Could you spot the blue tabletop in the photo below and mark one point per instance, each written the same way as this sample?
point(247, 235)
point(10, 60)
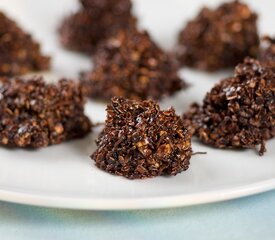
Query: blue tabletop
point(247, 218)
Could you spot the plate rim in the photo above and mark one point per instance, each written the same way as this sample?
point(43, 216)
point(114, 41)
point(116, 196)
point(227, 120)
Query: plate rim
point(121, 204)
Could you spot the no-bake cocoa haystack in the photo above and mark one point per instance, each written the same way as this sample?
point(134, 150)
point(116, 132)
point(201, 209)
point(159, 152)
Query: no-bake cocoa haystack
point(34, 114)
point(94, 22)
point(131, 65)
point(239, 112)
point(220, 38)
point(19, 53)
point(267, 52)
point(142, 141)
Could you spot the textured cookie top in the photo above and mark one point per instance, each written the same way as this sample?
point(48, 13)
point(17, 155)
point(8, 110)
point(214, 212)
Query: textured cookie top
point(131, 65)
point(219, 38)
point(239, 111)
point(20, 54)
point(95, 22)
point(141, 141)
point(36, 114)
point(267, 53)
point(118, 7)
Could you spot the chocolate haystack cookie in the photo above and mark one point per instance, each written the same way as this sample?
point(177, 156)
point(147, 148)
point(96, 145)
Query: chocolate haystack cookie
point(131, 65)
point(267, 53)
point(142, 141)
point(220, 38)
point(19, 53)
point(94, 22)
point(239, 112)
point(34, 114)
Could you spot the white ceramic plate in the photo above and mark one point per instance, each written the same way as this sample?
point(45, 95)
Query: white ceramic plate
point(64, 176)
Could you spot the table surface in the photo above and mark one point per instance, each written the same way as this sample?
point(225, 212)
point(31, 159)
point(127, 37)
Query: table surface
point(247, 218)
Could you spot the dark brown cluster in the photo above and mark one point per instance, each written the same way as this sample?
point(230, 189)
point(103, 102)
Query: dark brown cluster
point(141, 141)
point(20, 54)
point(267, 53)
point(34, 114)
point(94, 22)
point(239, 112)
point(219, 38)
point(131, 65)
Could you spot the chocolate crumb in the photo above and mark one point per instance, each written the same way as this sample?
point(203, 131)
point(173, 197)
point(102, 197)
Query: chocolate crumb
point(34, 114)
point(131, 65)
point(95, 22)
point(20, 54)
point(142, 141)
point(220, 38)
point(238, 112)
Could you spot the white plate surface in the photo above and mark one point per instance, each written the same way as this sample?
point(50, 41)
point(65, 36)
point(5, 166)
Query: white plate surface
point(64, 176)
